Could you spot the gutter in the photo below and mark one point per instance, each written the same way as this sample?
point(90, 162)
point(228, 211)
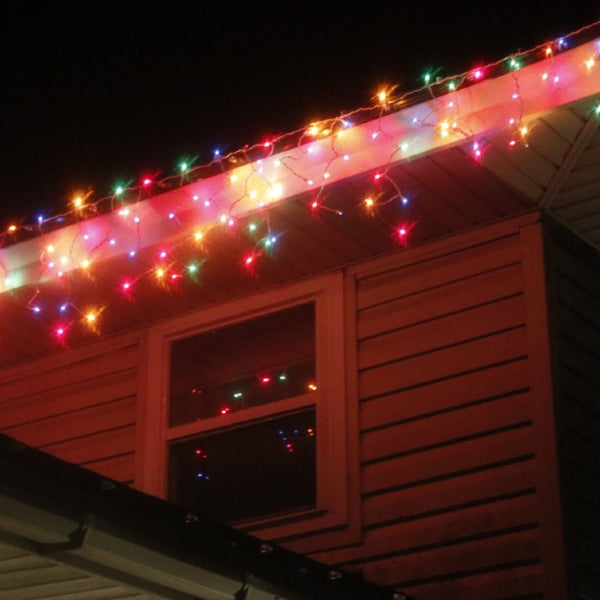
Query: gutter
point(78, 518)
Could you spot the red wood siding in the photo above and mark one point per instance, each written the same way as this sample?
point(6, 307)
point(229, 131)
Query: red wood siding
point(79, 406)
point(574, 270)
point(453, 481)
point(448, 443)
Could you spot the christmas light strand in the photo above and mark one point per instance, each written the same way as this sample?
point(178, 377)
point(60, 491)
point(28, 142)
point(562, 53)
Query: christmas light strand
point(219, 195)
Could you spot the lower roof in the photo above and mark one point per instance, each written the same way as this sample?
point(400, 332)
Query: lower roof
point(69, 533)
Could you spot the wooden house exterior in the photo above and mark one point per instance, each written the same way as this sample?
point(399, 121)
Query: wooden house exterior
point(456, 376)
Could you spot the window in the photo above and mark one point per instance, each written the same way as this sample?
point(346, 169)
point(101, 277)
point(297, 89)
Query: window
point(235, 367)
point(267, 468)
point(262, 468)
point(245, 414)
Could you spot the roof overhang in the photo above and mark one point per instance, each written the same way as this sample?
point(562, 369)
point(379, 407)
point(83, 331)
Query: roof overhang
point(507, 103)
point(472, 151)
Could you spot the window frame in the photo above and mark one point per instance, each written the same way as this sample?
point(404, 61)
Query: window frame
point(329, 399)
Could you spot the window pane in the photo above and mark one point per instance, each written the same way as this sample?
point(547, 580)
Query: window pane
point(245, 364)
point(258, 470)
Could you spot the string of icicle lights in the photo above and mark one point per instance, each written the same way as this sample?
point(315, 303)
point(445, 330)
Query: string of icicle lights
point(228, 185)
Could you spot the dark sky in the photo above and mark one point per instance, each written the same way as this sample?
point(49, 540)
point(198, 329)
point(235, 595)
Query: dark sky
point(95, 93)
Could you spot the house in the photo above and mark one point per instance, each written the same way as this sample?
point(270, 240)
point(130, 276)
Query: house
point(372, 342)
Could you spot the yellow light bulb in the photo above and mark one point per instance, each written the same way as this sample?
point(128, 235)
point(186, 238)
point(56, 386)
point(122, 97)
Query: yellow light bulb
point(276, 191)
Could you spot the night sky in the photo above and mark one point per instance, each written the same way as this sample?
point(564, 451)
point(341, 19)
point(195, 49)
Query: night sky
point(93, 95)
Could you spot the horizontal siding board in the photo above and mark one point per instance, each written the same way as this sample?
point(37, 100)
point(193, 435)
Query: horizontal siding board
point(583, 516)
point(576, 260)
point(71, 398)
point(447, 330)
point(587, 545)
point(503, 480)
point(585, 329)
point(579, 360)
point(581, 450)
point(96, 446)
point(455, 559)
point(575, 272)
point(582, 424)
point(443, 363)
point(583, 483)
point(577, 291)
point(57, 428)
point(439, 529)
point(433, 272)
point(445, 427)
point(493, 382)
point(70, 372)
point(571, 383)
point(441, 462)
point(573, 203)
point(446, 298)
point(118, 468)
point(588, 580)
